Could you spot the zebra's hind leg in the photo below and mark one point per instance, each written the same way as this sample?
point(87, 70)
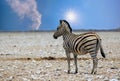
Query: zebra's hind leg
point(95, 63)
point(75, 61)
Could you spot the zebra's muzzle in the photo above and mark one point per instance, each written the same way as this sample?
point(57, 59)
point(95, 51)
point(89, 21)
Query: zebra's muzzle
point(54, 37)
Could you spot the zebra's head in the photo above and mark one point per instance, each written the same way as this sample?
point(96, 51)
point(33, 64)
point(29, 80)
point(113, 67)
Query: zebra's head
point(63, 28)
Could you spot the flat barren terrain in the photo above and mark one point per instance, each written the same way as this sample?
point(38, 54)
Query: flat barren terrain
point(36, 56)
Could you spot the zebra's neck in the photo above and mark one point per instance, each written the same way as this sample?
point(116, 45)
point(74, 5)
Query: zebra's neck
point(66, 35)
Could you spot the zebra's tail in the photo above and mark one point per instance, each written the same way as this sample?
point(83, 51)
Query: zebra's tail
point(101, 49)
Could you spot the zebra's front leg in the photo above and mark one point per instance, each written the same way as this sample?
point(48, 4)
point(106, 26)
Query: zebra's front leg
point(75, 61)
point(68, 60)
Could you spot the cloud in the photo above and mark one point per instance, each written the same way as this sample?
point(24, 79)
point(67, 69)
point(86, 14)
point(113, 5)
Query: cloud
point(27, 8)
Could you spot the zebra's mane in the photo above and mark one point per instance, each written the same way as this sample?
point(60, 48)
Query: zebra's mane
point(67, 24)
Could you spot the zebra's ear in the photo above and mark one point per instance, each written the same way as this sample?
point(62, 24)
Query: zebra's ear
point(60, 21)
point(64, 22)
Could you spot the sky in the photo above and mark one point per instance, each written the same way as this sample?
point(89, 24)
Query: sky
point(25, 15)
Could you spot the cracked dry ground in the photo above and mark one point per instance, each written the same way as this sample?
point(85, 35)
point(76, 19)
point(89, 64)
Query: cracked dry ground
point(55, 69)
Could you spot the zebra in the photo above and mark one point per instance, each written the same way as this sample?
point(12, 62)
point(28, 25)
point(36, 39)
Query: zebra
point(79, 44)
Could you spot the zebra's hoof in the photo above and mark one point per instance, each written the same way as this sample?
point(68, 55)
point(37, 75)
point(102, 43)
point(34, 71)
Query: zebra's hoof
point(68, 71)
point(94, 72)
point(75, 72)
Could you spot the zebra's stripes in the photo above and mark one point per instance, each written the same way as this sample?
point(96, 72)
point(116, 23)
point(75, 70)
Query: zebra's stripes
point(79, 44)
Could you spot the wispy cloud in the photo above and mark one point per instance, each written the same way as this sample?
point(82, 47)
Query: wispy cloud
point(27, 8)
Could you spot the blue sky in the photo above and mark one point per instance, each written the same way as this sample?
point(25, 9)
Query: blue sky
point(45, 14)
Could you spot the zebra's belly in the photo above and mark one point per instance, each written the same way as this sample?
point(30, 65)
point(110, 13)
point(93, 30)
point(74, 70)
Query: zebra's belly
point(79, 52)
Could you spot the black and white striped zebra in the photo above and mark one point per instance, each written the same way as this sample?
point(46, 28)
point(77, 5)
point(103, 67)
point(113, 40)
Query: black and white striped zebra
point(79, 44)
